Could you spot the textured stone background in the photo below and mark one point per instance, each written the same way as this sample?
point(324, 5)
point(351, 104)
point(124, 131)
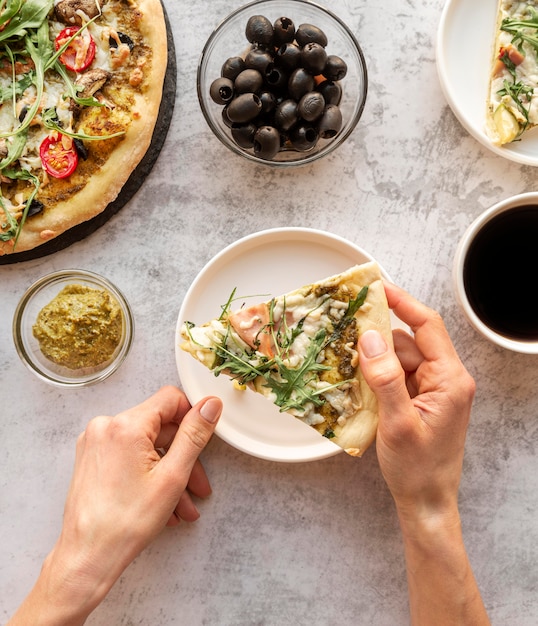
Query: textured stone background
point(288, 543)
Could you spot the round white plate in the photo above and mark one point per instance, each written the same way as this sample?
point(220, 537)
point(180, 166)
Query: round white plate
point(464, 54)
point(278, 261)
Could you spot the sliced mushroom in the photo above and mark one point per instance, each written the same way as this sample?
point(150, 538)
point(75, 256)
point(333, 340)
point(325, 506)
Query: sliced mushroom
point(91, 81)
point(68, 11)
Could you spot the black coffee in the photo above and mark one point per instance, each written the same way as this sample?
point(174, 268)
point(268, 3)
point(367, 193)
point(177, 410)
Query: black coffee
point(500, 273)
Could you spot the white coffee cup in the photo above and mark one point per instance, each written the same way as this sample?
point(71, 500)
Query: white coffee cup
point(486, 253)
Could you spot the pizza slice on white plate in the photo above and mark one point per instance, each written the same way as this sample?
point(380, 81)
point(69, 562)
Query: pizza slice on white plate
point(299, 351)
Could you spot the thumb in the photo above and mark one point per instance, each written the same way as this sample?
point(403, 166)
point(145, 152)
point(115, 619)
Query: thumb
point(383, 372)
point(194, 433)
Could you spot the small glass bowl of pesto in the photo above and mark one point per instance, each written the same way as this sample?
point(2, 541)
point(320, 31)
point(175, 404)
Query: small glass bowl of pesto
point(73, 328)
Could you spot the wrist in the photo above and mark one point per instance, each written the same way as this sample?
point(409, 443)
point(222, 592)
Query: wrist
point(429, 526)
point(67, 590)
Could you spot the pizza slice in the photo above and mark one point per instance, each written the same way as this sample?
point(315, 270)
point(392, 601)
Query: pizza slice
point(299, 351)
point(513, 90)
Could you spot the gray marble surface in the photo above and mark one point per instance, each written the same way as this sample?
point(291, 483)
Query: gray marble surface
point(277, 543)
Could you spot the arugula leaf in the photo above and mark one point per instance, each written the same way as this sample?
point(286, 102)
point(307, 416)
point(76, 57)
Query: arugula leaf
point(11, 225)
point(40, 50)
point(15, 149)
point(517, 27)
point(352, 307)
point(16, 229)
point(25, 15)
point(12, 8)
point(291, 387)
point(73, 90)
point(50, 120)
point(516, 91)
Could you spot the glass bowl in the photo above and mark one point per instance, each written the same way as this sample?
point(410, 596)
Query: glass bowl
point(40, 294)
point(229, 40)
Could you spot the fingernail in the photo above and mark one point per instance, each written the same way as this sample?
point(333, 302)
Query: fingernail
point(373, 344)
point(210, 410)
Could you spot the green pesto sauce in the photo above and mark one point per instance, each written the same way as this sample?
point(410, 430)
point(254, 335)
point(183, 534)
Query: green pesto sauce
point(81, 327)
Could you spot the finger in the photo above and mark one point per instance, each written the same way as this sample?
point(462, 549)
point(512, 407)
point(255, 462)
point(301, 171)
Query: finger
point(185, 509)
point(407, 351)
point(384, 374)
point(168, 405)
point(198, 483)
point(166, 436)
point(194, 432)
point(431, 336)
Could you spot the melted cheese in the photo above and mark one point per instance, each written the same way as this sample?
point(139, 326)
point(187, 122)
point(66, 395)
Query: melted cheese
point(314, 313)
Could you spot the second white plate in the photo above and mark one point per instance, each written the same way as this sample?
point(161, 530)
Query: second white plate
point(464, 53)
point(280, 260)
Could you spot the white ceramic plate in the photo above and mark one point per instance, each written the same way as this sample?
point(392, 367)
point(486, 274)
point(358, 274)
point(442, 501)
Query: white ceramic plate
point(281, 260)
point(464, 53)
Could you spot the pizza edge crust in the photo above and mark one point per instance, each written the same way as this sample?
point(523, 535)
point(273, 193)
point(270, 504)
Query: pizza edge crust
point(105, 185)
point(359, 430)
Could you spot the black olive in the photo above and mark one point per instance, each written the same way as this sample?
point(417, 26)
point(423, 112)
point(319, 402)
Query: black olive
point(244, 108)
point(258, 59)
point(286, 114)
point(221, 90)
point(276, 77)
point(81, 149)
point(259, 30)
point(23, 113)
point(243, 134)
point(288, 56)
point(35, 207)
point(123, 38)
point(232, 67)
point(284, 31)
point(314, 58)
point(308, 33)
point(227, 121)
point(248, 81)
point(268, 100)
point(270, 97)
point(266, 142)
point(335, 68)
point(303, 137)
point(330, 122)
point(311, 106)
point(300, 82)
point(331, 92)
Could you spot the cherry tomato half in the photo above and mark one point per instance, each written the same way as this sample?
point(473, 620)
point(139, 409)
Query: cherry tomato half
point(58, 161)
point(79, 53)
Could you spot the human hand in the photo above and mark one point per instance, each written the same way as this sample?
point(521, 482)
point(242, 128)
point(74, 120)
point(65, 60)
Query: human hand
point(425, 395)
point(123, 493)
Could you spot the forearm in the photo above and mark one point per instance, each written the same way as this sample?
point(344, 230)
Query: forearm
point(64, 594)
point(442, 587)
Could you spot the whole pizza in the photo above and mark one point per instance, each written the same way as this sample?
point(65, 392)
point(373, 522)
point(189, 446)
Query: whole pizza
point(81, 83)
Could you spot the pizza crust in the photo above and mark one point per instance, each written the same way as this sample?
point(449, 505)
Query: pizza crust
point(105, 185)
point(359, 431)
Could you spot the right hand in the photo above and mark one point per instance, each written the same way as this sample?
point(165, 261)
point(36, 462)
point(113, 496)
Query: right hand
point(425, 395)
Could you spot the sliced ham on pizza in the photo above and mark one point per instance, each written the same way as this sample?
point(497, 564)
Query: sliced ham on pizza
point(300, 351)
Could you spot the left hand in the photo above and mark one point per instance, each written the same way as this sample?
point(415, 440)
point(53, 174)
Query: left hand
point(124, 492)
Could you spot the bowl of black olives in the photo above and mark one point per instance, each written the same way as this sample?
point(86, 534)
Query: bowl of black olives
point(282, 82)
